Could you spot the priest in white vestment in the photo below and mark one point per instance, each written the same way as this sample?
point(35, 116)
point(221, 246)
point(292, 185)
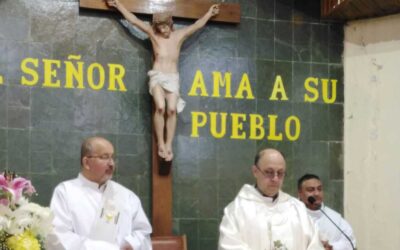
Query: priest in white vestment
point(262, 217)
point(92, 212)
point(339, 237)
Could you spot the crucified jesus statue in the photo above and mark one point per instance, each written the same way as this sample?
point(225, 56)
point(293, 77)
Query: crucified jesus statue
point(164, 76)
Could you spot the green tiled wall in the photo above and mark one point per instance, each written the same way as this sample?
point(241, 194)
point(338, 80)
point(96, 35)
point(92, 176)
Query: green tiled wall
point(41, 128)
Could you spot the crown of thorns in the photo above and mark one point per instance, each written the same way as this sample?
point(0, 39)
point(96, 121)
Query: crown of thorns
point(162, 18)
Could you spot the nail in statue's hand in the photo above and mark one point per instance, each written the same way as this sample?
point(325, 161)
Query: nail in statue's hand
point(112, 3)
point(214, 9)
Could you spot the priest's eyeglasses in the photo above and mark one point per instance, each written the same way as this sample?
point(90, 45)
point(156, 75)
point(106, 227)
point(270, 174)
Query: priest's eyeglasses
point(108, 158)
point(271, 174)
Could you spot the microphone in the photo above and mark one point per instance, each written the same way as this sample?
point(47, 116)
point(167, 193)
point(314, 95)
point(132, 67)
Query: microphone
point(312, 200)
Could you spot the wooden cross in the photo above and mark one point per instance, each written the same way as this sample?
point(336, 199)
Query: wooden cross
point(161, 175)
point(190, 9)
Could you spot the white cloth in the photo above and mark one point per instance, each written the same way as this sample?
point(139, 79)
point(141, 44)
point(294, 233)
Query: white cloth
point(255, 222)
point(329, 232)
point(77, 205)
point(167, 81)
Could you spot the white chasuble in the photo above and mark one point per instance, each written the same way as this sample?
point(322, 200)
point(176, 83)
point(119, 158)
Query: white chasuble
point(255, 222)
point(89, 217)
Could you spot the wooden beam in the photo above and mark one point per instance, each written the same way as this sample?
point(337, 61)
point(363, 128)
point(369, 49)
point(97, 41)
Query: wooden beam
point(161, 196)
point(190, 9)
point(356, 9)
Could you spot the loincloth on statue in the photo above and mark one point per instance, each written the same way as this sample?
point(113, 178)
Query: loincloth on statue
point(167, 81)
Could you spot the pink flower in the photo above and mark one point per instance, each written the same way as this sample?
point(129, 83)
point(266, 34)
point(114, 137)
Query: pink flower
point(29, 189)
point(15, 187)
point(4, 202)
point(3, 189)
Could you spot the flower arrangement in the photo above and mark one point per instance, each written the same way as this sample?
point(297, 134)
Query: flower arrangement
point(23, 224)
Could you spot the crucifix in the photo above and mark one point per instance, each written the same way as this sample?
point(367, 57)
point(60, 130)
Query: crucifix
point(166, 45)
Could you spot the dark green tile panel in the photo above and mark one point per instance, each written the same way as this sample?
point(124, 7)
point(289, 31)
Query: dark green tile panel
point(320, 44)
point(336, 159)
point(284, 10)
point(335, 195)
point(191, 229)
point(336, 123)
point(320, 122)
point(265, 39)
point(302, 42)
point(248, 8)
point(3, 139)
point(247, 38)
point(3, 106)
point(283, 40)
point(18, 117)
point(18, 150)
point(265, 9)
point(336, 38)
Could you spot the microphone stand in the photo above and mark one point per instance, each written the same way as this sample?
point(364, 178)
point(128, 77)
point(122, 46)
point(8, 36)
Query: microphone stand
point(345, 235)
point(311, 199)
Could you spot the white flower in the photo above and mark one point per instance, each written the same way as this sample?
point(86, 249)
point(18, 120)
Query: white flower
point(39, 218)
point(5, 213)
point(5, 210)
point(23, 201)
point(17, 214)
point(20, 220)
point(4, 223)
point(31, 216)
